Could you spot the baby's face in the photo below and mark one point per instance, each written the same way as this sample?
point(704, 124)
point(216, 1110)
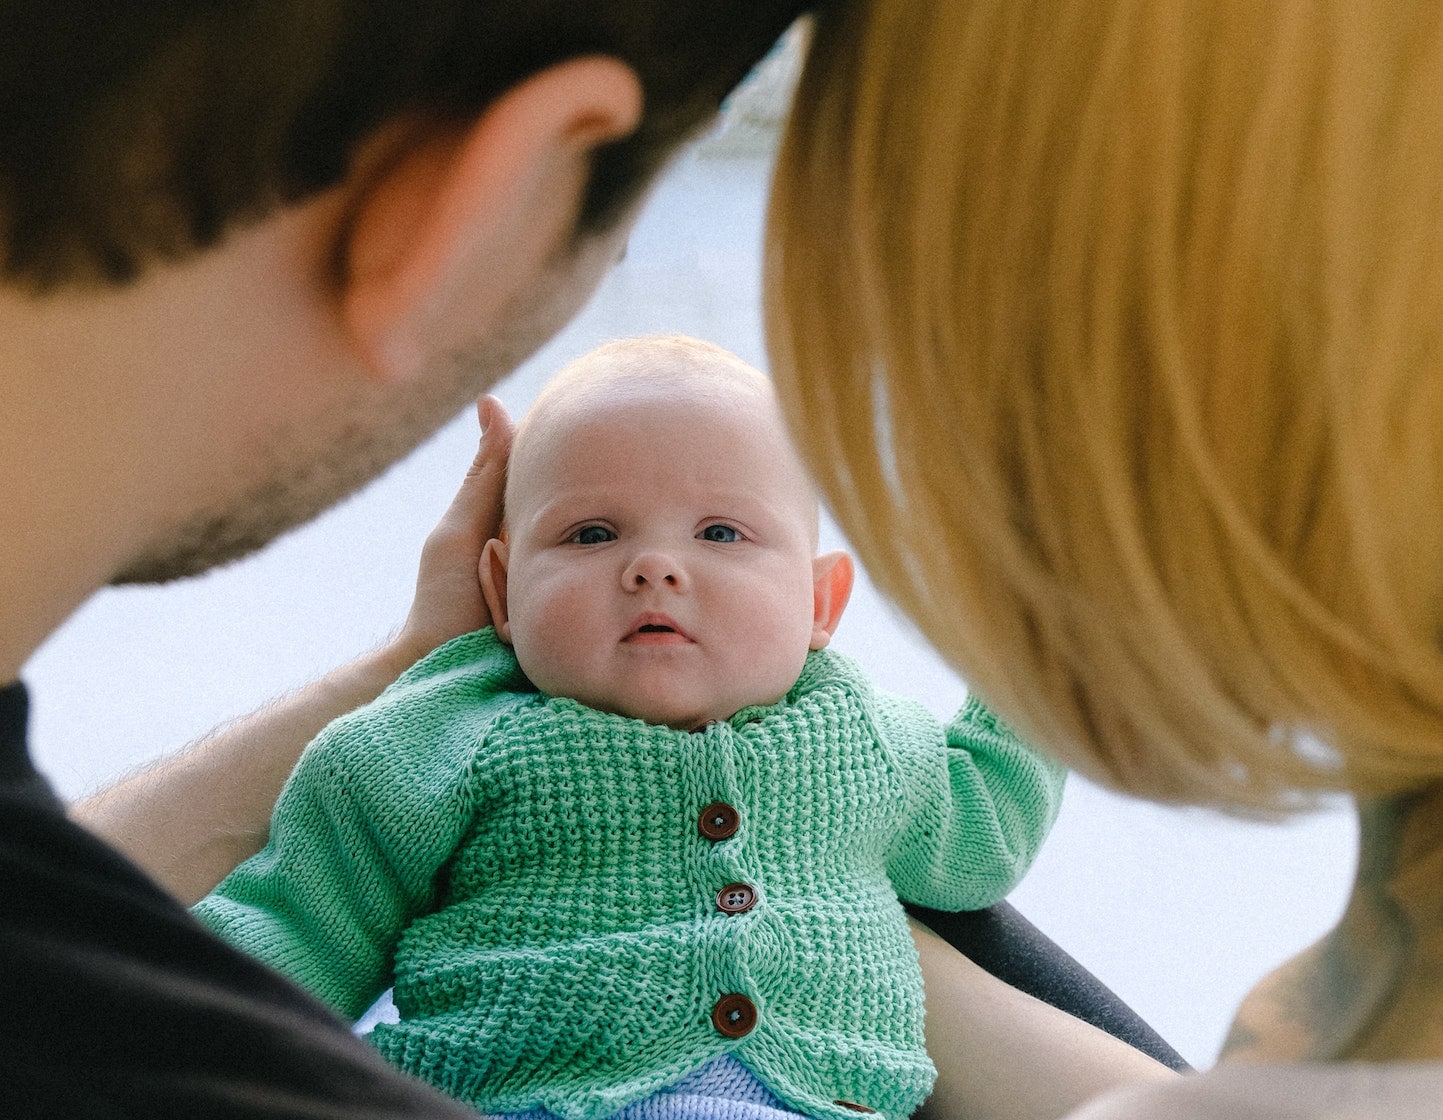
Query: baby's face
point(661, 557)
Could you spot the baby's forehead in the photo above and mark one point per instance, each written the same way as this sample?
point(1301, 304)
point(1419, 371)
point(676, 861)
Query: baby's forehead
point(641, 379)
point(650, 371)
point(704, 387)
point(683, 430)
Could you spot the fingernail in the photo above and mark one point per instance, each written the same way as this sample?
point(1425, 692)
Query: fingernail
point(486, 413)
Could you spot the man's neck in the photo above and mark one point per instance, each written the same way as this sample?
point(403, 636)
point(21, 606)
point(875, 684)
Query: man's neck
point(127, 411)
point(63, 485)
point(1372, 989)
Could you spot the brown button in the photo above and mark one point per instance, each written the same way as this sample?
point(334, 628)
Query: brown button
point(855, 1107)
point(718, 821)
point(736, 898)
point(734, 1015)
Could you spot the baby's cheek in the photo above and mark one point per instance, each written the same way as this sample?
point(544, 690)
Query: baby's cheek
point(566, 641)
point(775, 652)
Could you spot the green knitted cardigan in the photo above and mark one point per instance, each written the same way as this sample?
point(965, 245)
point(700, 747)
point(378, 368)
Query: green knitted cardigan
point(530, 876)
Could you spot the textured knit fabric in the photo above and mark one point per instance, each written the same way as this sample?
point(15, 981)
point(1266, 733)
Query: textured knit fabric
point(118, 1005)
point(530, 875)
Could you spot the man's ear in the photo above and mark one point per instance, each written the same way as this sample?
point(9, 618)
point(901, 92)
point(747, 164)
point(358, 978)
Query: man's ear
point(450, 223)
point(494, 560)
point(832, 577)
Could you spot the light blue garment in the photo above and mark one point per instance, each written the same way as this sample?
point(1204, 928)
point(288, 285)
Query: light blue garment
point(723, 1089)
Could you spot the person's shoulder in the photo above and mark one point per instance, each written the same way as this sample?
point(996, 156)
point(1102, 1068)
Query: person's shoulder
point(834, 678)
point(436, 714)
point(461, 677)
point(479, 657)
point(1293, 1091)
point(830, 670)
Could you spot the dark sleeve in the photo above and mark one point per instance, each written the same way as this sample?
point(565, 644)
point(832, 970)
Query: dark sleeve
point(1011, 948)
point(119, 1005)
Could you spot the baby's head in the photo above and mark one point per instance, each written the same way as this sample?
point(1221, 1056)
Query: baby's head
point(660, 552)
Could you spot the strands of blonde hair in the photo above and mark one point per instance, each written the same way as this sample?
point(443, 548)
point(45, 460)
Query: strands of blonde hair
point(1111, 332)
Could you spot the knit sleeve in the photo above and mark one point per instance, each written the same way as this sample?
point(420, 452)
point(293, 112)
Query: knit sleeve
point(982, 802)
point(376, 805)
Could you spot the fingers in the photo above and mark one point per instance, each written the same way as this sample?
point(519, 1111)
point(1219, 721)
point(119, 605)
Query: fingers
point(497, 431)
point(477, 507)
point(449, 600)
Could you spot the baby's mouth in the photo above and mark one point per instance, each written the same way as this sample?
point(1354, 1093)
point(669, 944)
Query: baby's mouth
point(652, 628)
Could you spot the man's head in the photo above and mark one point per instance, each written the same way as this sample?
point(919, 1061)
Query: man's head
point(270, 246)
point(660, 556)
point(134, 131)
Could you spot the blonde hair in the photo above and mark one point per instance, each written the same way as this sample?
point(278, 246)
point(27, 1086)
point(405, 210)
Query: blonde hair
point(1111, 332)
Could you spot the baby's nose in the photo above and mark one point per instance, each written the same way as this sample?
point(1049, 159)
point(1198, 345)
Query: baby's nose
point(652, 568)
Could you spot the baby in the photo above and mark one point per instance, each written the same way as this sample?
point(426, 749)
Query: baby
point(645, 835)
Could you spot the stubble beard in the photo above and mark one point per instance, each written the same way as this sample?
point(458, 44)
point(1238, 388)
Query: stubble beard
point(297, 482)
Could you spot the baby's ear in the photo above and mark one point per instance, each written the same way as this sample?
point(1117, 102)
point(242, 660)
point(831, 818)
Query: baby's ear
point(832, 576)
point(494, 559)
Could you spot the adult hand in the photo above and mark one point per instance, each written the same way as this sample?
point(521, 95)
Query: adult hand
point(448, 600)
point(189, 819)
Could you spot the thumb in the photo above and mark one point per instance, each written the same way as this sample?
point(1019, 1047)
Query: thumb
point(448, 600)
point(476, 510)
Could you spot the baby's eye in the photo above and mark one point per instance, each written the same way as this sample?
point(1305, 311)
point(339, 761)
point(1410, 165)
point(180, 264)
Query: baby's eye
point(720, 534)
point(592, 534)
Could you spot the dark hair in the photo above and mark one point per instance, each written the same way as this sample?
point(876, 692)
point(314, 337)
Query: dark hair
point(138, 130)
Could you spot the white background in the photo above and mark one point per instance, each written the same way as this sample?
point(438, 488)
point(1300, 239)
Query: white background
point(1177, 911)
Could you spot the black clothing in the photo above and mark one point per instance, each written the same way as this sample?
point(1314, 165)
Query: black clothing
point(117, 1004)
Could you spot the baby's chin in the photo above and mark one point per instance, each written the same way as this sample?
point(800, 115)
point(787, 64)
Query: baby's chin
point(666, 712)
point(682, 718)
point(664, 702)
point(666, 717)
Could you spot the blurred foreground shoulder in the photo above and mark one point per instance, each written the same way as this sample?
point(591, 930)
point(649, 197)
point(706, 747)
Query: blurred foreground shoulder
point(1295, 1091)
